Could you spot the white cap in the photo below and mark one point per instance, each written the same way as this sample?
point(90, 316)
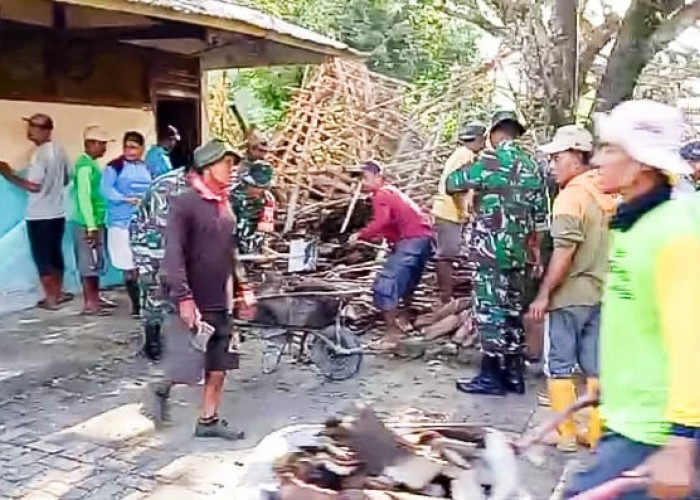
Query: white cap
point(569, 137)
point(648, 131)
point(96, 133)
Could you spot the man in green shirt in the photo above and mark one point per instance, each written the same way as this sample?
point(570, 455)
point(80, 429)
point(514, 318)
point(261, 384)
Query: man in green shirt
point(89, 218)
point(650, 320)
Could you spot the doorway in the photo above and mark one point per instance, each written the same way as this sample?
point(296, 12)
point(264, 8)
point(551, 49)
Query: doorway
point(183, 114)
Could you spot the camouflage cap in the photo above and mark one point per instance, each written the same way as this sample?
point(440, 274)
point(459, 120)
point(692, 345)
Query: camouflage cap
point(470, 131)
point(258, 173)
point(506, 116)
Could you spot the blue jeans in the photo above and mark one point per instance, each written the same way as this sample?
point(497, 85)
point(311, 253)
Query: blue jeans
point(402, 272)
point(615, 454)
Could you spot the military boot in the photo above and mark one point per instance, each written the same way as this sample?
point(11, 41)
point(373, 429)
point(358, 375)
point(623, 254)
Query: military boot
point(488, 382)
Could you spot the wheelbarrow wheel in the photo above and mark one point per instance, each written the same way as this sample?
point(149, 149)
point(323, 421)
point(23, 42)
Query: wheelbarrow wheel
point(332, 365)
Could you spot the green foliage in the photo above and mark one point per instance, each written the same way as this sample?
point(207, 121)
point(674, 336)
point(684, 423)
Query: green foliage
point(413, 40)
point(273, 88)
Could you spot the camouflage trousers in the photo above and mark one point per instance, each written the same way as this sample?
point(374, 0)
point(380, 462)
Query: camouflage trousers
point(499, 308)
point(154, 304)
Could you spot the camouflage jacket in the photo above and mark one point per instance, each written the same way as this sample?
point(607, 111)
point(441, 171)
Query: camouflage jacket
point(511, 204)
point(247, 209)
point(147, 229)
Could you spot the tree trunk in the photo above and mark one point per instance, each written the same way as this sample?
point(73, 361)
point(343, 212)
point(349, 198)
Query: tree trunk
point(633, 50)
point(564, 78)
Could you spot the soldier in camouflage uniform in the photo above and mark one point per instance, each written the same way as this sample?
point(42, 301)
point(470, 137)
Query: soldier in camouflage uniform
point(511, 207)
point(248, 200)
point(148, 246)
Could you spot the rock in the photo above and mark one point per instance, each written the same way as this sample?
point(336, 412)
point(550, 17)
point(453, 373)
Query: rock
point(412, 348)
point(438, 351)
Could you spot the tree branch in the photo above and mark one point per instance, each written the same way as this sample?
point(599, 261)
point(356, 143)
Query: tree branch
point(669, 30)
point(475, 17)
point(596, 40)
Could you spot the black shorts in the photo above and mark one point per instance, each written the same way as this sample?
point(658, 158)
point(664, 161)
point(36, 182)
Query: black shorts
point(46, 243)
point(222, 349)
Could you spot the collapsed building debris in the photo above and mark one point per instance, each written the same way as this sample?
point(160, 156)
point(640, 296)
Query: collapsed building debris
point(344, 115)
point(362, 458)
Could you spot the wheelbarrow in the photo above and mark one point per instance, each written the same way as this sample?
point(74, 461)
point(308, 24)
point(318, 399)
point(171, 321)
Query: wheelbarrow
point(307, 325)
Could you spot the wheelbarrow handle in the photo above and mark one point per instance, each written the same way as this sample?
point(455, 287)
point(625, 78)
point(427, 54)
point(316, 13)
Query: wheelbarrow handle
point(614, 488)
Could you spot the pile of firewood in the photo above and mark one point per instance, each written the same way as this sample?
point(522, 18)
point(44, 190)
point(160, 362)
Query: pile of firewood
point(364, 459)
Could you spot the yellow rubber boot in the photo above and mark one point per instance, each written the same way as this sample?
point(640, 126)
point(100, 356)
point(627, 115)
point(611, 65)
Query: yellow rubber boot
point(595, 424)
point(562, 394)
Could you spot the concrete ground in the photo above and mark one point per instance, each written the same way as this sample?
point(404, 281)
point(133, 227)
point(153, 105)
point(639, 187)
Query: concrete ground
point(70, 425)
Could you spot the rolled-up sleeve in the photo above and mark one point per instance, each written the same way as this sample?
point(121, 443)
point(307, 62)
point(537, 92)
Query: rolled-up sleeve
point(177, 230)
point(567, 222)
point(677, 277)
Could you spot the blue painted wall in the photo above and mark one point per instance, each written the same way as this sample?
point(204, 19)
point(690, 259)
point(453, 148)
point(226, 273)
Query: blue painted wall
point(19, 282)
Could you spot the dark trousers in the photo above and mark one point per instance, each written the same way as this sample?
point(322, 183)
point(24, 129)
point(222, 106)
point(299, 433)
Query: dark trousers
point(615, 454)
point(46, 244)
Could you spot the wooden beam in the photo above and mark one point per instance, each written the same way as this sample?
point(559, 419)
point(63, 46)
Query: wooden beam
point(168, 31)
point(162, 31)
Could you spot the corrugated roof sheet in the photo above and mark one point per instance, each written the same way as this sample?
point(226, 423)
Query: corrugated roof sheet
point(224, 9)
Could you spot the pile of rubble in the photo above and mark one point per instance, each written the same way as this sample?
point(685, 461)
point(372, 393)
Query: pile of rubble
point(363, 459)
point(343, 115)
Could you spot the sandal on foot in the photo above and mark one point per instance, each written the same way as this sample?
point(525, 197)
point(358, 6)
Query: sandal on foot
point(106, 303)
point(66, 297)
point(95, 312)
point(43, 304)
point(218, 428)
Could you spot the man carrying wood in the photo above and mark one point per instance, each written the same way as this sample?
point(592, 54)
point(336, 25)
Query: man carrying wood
point(573, 284)
point(450, 214)
point(650, 321)
point(401, 222)
point(511, 207)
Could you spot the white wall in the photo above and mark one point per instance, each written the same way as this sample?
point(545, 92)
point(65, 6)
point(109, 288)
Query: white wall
point(70, 120)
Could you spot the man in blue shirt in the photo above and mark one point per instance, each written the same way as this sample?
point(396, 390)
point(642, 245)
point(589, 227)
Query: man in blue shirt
point(158, 157)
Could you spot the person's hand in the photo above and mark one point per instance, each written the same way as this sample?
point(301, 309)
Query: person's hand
point(91, 236)
point(353, 239)
point(538, 307)
point(189, 314)
point(133, 201)
point(671, 470)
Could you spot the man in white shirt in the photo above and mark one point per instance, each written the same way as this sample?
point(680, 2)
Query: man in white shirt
point(45, 180)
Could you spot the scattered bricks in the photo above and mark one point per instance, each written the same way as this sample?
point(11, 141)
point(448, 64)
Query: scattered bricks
point(61, 463)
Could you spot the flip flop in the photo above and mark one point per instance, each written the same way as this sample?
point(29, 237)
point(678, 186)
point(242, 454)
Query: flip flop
point(66, 297)
point(42, 304)
point(95, 312)
point(109, 304)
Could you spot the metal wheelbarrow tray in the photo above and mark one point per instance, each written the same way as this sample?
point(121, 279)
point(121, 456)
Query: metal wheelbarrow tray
point(313, 324)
